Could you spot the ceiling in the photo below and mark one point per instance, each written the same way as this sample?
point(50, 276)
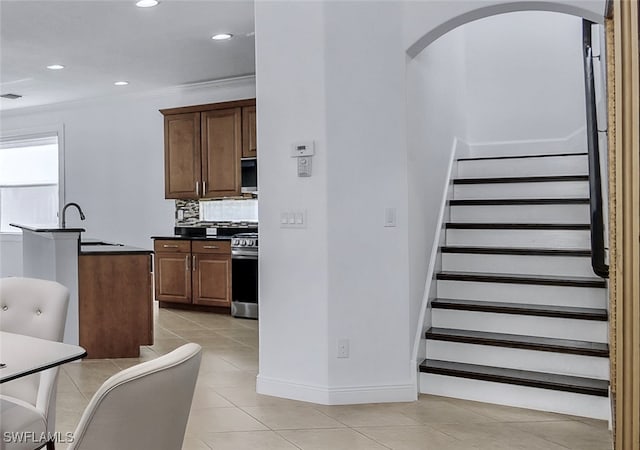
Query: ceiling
point(101, 42)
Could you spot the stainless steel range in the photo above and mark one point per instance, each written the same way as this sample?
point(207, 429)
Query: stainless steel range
point(244, 274)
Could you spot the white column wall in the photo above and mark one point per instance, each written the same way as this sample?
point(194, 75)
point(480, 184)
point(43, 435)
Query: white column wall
point(325, 71)
point(367, 164)
point(293, 285)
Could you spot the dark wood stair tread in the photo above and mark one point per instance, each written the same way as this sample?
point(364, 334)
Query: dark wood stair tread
point(563, 312)
point(537, 179)
point(580, 385)
point(543, 344)
point(515, 251)
point(518, 201)
point(510, 278)
point(552, 155)
point(516, 226)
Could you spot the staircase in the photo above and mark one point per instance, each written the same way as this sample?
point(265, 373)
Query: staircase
point(520, 319)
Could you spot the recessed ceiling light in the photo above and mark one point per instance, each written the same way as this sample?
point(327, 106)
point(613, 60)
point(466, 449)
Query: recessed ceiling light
point(55, 67)
point(146, 3)
point(222, 37)
point(121, 83)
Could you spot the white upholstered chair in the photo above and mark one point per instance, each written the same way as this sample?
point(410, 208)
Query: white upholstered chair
point(143, 407)
point(36, 308)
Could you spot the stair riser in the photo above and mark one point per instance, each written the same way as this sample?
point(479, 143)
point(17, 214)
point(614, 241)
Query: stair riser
point(513, 358)
point(518, 396)
point(521, 264)
point(523, 293)
point(564, 189)
point(566, 239)
point(524, 167)
point(521, 214)
point(580, 330)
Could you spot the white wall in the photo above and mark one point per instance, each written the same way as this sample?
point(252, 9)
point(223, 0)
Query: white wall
point(436, 111)
point(325, 72)
point(367, 163)
point(114, 157)
point(293, 263)
point(524, 77)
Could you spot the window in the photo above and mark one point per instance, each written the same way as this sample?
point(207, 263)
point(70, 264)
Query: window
point(29, 184)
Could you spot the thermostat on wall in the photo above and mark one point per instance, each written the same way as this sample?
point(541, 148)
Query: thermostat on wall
point(305, 148)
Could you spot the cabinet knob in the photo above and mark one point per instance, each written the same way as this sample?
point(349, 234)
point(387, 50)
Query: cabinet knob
point(186, 263)
point(170, 246)
point(194, 262)
point(210, 246)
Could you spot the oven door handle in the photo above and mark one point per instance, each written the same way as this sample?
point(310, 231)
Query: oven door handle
point(244, 256)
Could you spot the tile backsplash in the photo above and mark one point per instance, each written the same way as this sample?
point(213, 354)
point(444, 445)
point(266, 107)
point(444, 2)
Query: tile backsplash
point(193, 212)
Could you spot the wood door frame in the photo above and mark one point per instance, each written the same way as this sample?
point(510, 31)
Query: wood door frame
point(624, 206)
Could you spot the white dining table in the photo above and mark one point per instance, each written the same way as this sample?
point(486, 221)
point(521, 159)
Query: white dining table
point(22, 355)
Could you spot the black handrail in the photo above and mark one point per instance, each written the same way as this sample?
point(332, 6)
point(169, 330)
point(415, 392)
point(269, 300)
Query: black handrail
point(598, 263)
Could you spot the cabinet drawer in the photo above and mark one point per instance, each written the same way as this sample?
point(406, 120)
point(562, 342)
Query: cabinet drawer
point(171, 245)
point(211, 246)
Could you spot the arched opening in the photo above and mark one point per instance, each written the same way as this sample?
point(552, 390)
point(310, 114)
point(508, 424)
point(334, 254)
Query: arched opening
point(501, 8)
point(502, 83)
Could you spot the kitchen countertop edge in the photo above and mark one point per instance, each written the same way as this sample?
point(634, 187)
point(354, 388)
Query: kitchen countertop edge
point(194, 238)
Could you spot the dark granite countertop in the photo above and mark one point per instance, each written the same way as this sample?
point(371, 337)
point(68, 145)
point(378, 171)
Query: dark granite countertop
point(92, 246)
point(194, 238)
point(47, 228)
point(111, 250)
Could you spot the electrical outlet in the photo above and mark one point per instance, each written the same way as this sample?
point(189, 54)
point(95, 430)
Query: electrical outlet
point(343, 348)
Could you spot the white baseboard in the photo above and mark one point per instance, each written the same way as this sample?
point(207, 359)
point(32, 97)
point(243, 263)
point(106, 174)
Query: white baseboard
point(345, 395)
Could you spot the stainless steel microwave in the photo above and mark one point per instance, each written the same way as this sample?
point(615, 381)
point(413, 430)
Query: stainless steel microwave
point(249, 174)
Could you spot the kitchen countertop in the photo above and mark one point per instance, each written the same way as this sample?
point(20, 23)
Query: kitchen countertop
point(194, 238)
point(111, 250)
point(47, 228)
point(92, 246)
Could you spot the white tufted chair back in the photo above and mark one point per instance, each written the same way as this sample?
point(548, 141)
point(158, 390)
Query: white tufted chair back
point(143, 407)
point(35, 308)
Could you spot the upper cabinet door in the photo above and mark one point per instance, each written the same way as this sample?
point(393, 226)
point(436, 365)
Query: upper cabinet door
point(221, 150)
point(249, 137)
point(182, 156)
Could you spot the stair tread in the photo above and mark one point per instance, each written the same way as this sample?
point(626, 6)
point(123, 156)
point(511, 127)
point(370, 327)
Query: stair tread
point(515, 251)
point(554, 280)
point(519, 341)
point(546, 155)
point(532, 179)
point(519, 201)
point(590, 386)
point(566, 312)
point(516, 226)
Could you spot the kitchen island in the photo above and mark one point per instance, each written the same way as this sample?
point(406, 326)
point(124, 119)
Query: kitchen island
point(110, 307)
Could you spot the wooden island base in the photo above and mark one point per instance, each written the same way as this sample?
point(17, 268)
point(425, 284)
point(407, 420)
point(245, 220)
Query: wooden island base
point(115, 304)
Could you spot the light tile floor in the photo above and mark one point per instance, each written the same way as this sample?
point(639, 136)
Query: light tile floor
point(227, 414)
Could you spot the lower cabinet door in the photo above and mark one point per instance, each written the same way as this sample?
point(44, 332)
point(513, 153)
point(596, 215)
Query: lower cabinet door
point(173, 277)
point(211, 279)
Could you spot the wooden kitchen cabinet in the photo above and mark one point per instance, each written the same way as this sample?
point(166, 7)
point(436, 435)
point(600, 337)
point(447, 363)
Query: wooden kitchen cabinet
point(249, 132)
point(221, 151)
point(182, 159)
point(203, 148)
point(193, 272)
point(173, 270)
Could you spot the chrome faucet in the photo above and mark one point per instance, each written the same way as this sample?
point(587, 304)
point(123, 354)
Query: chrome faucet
point(64, 213)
